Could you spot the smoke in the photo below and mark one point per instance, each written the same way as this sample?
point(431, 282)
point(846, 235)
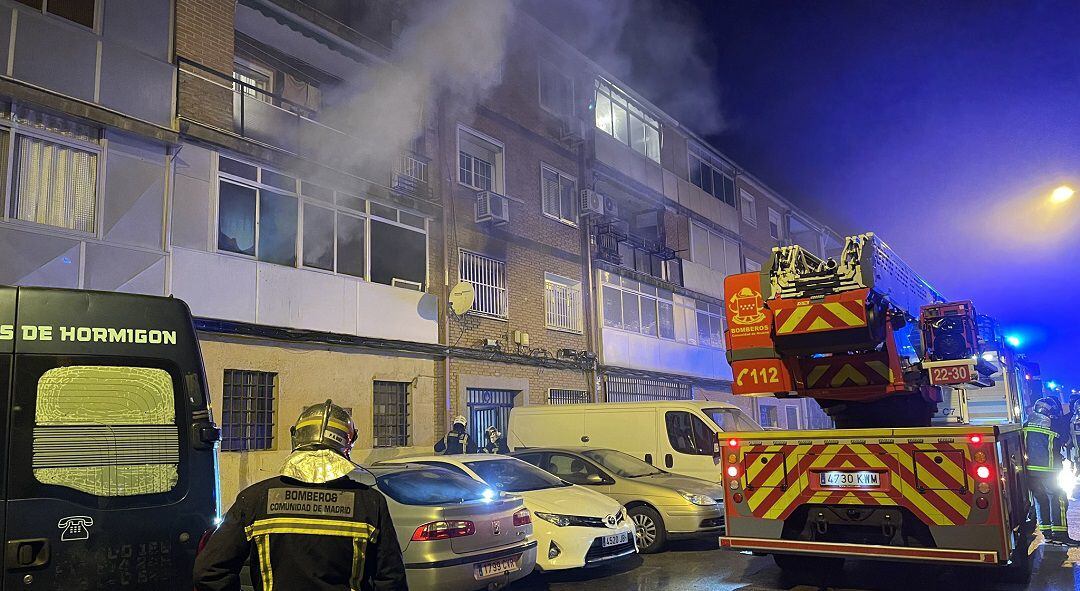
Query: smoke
point(659, 48)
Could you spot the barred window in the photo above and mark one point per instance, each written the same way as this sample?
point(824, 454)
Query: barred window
point(390, 420)
point(488, 278)
point(247, 421)
point(562, 299)
point(558, 396)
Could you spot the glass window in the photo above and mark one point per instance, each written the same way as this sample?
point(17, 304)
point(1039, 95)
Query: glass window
point(488, 278)
point(648, 316)
point(513, 475)
point(247, 421)
point(770, 418)
point(477, 162)
point(792, 413)
point(237, 168)
point(277, 228)
point(573, 469)
point(54, 184)
point(106, 431)
point(318, 237)
point(716, 252)
point(612, 307)
point(699, 245)
point(603, 113)
point(397, 253)
point(618, 122)
point(637, 134)
point(623, 465)
point(430, 486)
point(620, 118)
point(690, 435)
point(749, 208)
point(236, 218)
point(278, 181)
point(732, 419)
point(631, 314)
point(652, 141)
point(556, 90)
point(562, 303)
point(776, 228)
point(350, 245)
point(666, 319)
point(557, 191)
point(390, 410)
point(77, 11)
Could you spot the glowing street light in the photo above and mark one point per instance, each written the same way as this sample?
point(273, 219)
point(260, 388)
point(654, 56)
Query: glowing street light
point(1013, 340)
point(1062, 194)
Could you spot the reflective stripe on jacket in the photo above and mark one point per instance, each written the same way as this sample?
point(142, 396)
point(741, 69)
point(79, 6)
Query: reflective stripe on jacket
point(1043, 449)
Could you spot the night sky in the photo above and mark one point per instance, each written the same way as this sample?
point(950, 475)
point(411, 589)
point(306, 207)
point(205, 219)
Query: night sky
point(942, 126)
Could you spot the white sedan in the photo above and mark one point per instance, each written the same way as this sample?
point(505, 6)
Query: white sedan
point(574, 526)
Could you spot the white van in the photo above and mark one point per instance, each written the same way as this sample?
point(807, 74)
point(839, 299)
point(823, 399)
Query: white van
point(680, 436)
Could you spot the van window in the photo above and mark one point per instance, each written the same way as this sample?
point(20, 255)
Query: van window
point(689, 434)
point(106, 431)
point(732, 419)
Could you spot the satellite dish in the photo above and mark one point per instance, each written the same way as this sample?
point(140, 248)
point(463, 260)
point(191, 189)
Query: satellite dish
point(462, 298)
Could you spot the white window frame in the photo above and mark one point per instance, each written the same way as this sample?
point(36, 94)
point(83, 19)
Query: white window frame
point(752, 266)
point(569, 320)
point(9, 178)
point(776, 218)
point(258, 186)
point(762, 407)
point(498, 168)
point(338, 208)
point(711, 237)
point(573, 216)
point(553, 69)
point(614, 281)
point(488, 283)
point(257, 68)
point(749, 207)
point(787, 416)
point(633, 110)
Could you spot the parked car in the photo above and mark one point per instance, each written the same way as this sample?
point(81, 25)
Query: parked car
point(456, 534)
point(573, 525)
point(662, 505)
point(681, 436)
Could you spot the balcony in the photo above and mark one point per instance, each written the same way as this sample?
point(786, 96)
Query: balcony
point(410, 176)
point(617, 245)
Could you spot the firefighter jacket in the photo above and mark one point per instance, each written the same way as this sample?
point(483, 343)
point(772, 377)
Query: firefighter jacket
point(1043, 445)
point(332, 536)
point(496, 447)
point(456, 442)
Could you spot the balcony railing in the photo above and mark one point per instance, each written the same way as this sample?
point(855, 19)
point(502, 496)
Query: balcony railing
point(410, 176)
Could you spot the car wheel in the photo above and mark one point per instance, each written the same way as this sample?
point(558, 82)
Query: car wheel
point(649, 529)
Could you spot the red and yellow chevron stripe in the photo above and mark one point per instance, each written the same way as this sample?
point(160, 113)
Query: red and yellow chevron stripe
point(847, 310)
point(843, 371)
point(929, 479)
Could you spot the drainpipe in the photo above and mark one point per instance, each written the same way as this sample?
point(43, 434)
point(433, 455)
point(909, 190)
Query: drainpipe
point(449, 222)
point(588, 307)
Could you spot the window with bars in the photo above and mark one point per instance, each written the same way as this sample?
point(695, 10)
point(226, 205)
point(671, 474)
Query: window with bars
point(562, 303)
point(628, 389)
point(558, 192)
point(559, 396)
point(488, 279)
point(390, 414)
point(247, 421)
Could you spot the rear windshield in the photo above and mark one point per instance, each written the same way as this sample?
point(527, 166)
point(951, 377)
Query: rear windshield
point(431, 486)
point(513, 475)
point(732, 419)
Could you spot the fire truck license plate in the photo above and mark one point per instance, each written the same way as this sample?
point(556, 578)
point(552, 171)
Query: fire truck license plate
point(837, 479)
point(950, 374)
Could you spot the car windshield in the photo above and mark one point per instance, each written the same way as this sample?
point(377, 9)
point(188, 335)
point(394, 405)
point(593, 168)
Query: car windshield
point(512, 475)
point(431, 486)
point(624, 465)
point(732, 419)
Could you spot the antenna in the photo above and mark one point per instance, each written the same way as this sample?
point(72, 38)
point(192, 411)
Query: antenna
point(462, 298)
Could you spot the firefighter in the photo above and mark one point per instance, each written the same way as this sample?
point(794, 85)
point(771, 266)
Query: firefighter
point(457, 441)
point(317, 526)
point(1074, 428)
point(495, 443)
point(1044, 442)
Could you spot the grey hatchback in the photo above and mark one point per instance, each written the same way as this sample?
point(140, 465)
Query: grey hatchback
point(456, 534)
point(662, 505)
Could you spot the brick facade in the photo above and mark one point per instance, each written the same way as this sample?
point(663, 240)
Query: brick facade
point(205, 35)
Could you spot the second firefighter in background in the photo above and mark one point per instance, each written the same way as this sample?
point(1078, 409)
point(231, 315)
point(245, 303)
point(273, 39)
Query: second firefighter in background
point(1045, 440)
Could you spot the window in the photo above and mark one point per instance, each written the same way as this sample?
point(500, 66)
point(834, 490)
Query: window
point(488, 278)
point(398, 247)
point(710, 325)
point(559, 193)
point(247, 409)
point(752, 266)
point(556, 90)
point(479, 161)
point(776, 224)
point(76, 11)
point(574, 470)
point(390, 409)
point(638, 307)
point(689, 434)
point(122, 421)
point(792, 413)
point(253, 80)
point(731, 419)
point(562, 303)
point(707, 174)
point(768, 416)
point(619, 117)
point(257, 216)
point(749, 208)
point(557, 396)
point(53, 171)
point(627, 389)
point(709, 248)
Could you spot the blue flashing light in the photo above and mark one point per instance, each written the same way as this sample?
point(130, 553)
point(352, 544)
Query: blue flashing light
point(1052, 385)
point(489, 494)
point(1013, 340)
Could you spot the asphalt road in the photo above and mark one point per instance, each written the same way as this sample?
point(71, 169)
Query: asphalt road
point(701, 565)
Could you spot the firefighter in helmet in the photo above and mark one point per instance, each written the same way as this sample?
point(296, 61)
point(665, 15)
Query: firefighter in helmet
point(495, 443)
point(1044, 442)
point(458, 440)
point(318, 525)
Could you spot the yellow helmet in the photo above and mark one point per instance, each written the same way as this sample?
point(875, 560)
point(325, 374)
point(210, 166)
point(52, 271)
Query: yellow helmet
point(324, 426)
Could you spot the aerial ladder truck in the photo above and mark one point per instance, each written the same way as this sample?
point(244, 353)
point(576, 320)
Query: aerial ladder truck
point(876, 347)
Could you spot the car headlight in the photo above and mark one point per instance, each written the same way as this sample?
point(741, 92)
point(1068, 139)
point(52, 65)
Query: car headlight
point(701, 500)
point(557, 519)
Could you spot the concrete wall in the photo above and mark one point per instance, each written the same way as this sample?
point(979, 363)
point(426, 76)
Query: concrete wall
point(636, 351)
point(309, 375)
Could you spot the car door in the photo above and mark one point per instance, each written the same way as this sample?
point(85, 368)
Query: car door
point(689, 445)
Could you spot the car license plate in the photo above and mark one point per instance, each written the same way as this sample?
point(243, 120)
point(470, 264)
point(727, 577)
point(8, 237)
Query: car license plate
point(862, 478)
point(494, 568)
point(615, 539)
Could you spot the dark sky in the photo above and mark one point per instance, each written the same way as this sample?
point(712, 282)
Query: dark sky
point(942, 126)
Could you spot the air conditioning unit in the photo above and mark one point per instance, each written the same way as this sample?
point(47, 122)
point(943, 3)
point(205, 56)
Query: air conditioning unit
point(610, 207)
point(591, 202)
point(492, 207)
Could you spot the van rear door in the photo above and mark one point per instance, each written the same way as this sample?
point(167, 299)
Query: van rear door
point(7, 345)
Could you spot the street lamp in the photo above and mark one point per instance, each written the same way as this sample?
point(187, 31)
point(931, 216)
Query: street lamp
point(1062, 194)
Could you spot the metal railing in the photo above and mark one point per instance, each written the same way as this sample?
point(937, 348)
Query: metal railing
point(563, 306)
point(412, 167)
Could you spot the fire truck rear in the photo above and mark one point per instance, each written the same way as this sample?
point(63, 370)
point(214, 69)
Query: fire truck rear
point(874, 345)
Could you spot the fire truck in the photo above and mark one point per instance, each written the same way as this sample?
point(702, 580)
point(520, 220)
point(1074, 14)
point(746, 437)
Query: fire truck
point(877, 347)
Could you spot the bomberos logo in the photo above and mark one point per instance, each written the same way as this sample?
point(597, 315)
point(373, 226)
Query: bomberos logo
point(746, 307)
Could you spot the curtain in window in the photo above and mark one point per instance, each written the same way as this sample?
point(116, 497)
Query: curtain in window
point(55, 184)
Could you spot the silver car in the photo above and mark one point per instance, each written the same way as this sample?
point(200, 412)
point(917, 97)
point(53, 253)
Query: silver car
point(455, 533)
point(663, 506)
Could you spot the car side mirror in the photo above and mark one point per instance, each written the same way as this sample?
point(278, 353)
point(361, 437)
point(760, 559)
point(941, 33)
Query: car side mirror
point(594, 479)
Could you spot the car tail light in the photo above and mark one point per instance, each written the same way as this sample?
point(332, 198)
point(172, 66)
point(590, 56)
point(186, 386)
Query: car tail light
point(733, 471)
point(522, 517)
point(443, 530)
point(983, 472)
